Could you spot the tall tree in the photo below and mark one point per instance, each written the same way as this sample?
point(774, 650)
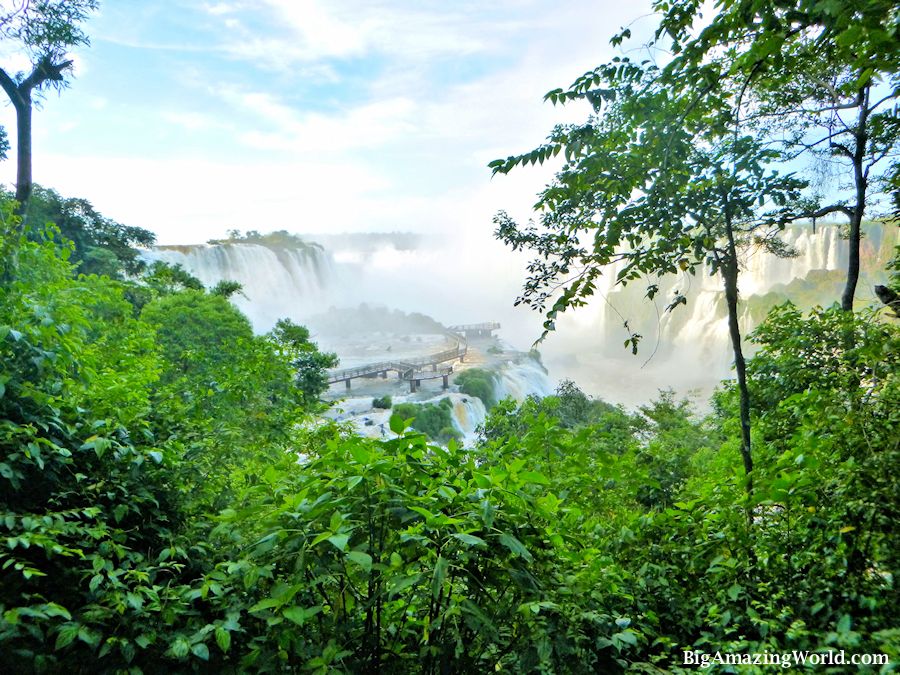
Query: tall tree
point(101, 245)
point(46, 30)
point(659, 183)
point(819, 78)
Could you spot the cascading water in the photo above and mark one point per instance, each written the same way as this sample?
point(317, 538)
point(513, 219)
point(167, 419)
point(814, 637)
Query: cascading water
point(689, 345)
point(689, 348)
point(522, 378)
point(276, 282)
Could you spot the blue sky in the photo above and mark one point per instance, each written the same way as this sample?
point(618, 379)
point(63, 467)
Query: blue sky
point(189, 117)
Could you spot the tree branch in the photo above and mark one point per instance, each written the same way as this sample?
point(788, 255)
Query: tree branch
point(44, 71)
point(824, 211)
point(9, 86)
point(874, 107)
point(843, 148)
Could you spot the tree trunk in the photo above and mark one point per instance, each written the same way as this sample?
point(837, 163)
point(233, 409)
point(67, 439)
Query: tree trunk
point(23, 154)
point(730, 273)
point(860, 181)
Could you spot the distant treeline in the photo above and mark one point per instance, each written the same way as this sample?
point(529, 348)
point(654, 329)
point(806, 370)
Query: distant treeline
point(373, 319)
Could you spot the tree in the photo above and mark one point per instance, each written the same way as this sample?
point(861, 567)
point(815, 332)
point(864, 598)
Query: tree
point(45, 30)
point(819, 79)
point(102, 246)
point(660, 183)
point(310, 365)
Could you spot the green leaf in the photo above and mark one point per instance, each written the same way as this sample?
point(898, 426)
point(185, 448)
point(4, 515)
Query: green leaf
point(339, 541)
point(398, 585)
point(201, 651)
point(88, 636)
point(360, 454)
point(534, 477)
point(52, 609)
point(180, 648)
point(268, 603)
point(626, 636)
point(134, 600)
point(67, 633)
point(145, 640)
point(300, 615)
point(469, 539)
point(482, 481)
point(364, 560)
point(514, 545)
point(398, 425)
point(440, 574)
point(844, 624)
point(223, 639)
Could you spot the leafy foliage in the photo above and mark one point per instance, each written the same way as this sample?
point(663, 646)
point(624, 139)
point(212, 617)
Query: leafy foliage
point(102, 246)
point(479, 383)
point(167, 504)
point(435, 420)
point(382, 402)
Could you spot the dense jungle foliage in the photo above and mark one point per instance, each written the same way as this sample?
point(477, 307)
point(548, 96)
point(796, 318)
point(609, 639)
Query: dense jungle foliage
point(168, 506)
point(172, 501)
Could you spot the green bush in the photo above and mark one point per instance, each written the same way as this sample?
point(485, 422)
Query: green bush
point(155, 517)
point(382, 402)
point(479, 383)
point(435, 420)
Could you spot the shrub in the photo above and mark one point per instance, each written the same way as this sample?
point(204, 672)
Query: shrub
point(479, 383)
point(382, 402)
point(435, 420)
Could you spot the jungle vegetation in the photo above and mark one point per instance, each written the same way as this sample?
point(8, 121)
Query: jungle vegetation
point(172, 501)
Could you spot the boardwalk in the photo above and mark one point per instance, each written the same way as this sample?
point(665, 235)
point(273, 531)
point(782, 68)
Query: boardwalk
point(475, 330)
point(423, 368)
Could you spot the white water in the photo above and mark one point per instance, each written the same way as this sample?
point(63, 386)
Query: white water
point(468, 414)
point(689, 346)
point(521, 379)
point(276, 283)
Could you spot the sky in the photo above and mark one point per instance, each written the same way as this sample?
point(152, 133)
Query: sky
point(190, 118)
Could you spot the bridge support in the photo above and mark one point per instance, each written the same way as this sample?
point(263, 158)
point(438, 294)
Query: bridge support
point(384, 375)
point(347, 382)
point(446, 380)
point(413, 386)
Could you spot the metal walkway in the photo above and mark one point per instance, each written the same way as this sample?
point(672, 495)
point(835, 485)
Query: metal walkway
point(414, 370)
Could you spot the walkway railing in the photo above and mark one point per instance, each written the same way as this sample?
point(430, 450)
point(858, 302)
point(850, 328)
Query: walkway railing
point(411, 369)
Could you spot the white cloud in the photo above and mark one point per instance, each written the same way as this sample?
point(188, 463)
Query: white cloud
point(219, 8)
point(407, 150)
point(191, 200)
point(364, 126)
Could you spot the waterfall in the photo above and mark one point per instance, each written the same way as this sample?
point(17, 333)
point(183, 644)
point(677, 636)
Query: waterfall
point(277, 282)
point(468, 414)
point(522, 378)
point(690, 345)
